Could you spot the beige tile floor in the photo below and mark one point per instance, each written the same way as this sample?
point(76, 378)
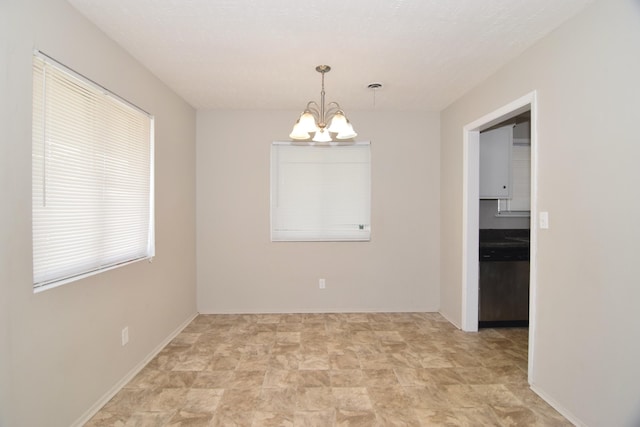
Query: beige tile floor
point(358, 369)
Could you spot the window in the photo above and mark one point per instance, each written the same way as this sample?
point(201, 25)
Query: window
point(320, 192)
point(92, 177)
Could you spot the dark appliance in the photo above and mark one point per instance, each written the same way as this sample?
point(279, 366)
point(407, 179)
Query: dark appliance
point(504, 278)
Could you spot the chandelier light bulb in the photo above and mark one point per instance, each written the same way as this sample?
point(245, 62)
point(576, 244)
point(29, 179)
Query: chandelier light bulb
point(308, 122)
point(298, 132)
point(322, 136)
point(347, 133)
point(338, 123)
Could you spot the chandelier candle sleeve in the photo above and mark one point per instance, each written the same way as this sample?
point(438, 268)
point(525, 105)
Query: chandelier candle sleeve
point(314, 118)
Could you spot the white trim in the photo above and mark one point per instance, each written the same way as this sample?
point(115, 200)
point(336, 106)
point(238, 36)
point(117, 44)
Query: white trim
point(454, 322)
point(561, 409)
point(89, 413)
point(533, 245)
point(152, 189)
point(322, 311)
point(470, 220)
point(59, 282)
point(470, 226)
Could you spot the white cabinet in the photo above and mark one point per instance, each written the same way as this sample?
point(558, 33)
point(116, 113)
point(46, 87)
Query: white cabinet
point(495, 163)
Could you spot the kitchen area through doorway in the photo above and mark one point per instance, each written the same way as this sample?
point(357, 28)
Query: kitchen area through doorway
point(504, 223)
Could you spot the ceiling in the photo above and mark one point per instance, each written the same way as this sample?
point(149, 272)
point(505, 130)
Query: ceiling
point(258, 54)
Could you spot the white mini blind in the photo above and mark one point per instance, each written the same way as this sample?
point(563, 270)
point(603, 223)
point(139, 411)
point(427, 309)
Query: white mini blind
point(92, 178)
point(320, 192)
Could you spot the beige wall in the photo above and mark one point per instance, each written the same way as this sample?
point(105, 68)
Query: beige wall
point(60, 349)
point(586, 77)
point(240, 270)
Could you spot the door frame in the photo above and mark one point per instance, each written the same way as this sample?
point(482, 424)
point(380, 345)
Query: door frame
point(470, 213)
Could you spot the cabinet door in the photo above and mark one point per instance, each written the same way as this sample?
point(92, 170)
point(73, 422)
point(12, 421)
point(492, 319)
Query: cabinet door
point(495, 163)
point(503, 294)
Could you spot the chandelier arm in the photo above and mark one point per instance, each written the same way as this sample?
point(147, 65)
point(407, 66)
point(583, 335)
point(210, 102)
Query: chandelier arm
point(313, 108)
point(334, 108)
point(312, 105)
point(333, 111)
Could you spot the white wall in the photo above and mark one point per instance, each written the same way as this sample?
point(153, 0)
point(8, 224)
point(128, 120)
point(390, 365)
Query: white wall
point(586, 76)
point(240, 270)
point(60, 350)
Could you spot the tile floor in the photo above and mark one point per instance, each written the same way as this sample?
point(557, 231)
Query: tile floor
point(359, 369)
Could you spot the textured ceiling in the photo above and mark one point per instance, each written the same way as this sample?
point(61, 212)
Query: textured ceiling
point(257, 54)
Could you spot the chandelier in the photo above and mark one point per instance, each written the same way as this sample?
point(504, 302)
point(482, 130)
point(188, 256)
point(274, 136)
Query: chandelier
point(314, 118)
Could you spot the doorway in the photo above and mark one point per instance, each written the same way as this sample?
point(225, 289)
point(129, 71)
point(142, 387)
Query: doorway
point(471, 226)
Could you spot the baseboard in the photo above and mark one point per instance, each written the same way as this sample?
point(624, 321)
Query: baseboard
point(558, 407)
point(315, 311)
point(129, 376)
point(450, 320)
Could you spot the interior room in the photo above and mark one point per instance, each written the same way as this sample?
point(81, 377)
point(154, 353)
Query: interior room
point(223, 82)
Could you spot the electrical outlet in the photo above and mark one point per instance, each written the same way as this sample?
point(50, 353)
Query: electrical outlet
point(125, 335)
point(322, 284)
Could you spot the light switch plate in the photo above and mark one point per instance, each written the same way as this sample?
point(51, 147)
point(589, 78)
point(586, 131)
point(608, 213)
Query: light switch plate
point(125, 336)
point(544, 220)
